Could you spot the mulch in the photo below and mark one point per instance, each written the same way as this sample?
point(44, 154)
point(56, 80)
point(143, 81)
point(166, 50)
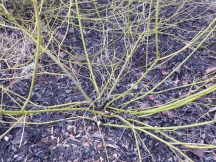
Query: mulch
point(79, 140)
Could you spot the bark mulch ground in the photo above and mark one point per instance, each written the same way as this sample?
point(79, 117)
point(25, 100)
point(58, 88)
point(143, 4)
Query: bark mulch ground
point(78, 140)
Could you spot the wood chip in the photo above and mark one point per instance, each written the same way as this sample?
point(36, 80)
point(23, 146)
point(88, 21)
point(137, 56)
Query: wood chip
point(164, 72)
point(210, 69)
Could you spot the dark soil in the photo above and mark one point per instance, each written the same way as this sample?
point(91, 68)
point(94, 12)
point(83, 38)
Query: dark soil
point(73, 139)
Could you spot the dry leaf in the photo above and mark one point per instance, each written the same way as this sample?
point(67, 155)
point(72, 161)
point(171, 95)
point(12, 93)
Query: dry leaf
point(78, 70)
point(176, 82)
point(62, 54)
point(198, 152)
point(60, 36)
point(169, 114)
point(210, 69)
point(157, 101)
point(184, 94)
point(143, 105)
point(152, 97)
point(164, 72)
point(163, 65)
point(184, 81)
point(143, 85)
